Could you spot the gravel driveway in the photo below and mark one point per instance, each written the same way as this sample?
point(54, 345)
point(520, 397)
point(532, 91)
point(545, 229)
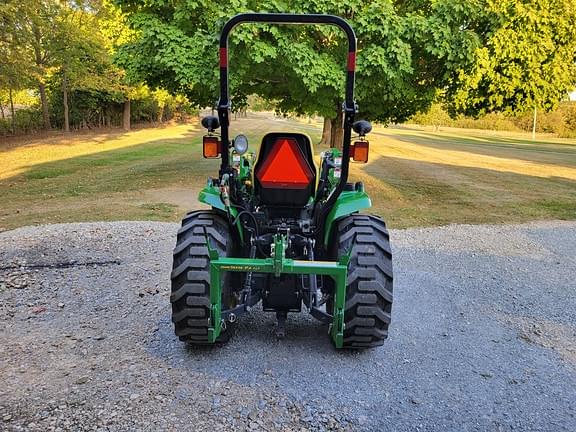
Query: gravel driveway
point(483, 338)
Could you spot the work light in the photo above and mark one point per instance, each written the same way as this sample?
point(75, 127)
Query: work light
point(240, 144)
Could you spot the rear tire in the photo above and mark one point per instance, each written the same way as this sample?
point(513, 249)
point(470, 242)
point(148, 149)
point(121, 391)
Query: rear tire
point(369, 289)
point(190, 297)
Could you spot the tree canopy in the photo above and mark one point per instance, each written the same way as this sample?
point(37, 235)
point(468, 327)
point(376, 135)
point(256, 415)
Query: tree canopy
point(474, 56)
point(482, 55)
point(527, 58)
point(56, 39)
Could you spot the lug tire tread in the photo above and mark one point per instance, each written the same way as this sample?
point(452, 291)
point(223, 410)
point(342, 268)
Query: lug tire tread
point(190, 296)
point(369, 292)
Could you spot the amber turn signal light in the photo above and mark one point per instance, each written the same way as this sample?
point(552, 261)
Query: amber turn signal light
point(359, 151)
point(210, 146)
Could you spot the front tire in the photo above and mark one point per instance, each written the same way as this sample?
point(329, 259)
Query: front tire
point(190, 297)
point(368, 307)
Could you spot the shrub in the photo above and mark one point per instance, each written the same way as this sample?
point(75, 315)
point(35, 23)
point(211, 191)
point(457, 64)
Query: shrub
point(26, 120)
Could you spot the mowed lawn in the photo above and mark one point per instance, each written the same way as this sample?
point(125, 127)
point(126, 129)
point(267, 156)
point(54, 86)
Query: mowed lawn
point(415, 178)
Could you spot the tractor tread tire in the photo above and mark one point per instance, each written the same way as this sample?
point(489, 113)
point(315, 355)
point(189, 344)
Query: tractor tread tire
point(190, 296)
point(368, 307)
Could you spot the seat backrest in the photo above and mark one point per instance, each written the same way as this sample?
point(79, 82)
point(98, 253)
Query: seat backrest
point(285, 173)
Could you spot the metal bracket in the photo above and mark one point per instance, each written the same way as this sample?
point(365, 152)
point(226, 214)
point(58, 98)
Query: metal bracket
point(337, 327)
point(278, 254)
point(215, 293)
point(278, 264)
point(345, 259)
point(212, 253)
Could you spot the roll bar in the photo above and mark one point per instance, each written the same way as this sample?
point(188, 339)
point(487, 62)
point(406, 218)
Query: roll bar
point(281, 18)
point(349, 106)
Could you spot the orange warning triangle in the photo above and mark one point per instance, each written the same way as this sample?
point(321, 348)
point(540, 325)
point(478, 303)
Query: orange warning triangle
point(285, 167)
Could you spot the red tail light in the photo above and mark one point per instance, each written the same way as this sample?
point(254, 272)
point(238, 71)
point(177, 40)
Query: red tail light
point(285, 167)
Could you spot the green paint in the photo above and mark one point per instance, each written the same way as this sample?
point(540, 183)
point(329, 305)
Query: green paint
point(277, 264)
point(211, 195)
point(278, 254)
point(347, 203)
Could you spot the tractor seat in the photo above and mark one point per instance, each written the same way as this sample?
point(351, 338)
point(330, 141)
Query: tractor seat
point(285, 173)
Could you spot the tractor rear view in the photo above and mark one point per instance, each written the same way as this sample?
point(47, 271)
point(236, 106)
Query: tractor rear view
point(281, 230)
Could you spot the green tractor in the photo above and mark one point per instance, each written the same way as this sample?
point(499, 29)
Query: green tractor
point(281, 231)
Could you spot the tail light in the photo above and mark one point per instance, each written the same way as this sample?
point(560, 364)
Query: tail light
point(359, 151)
point(285, 167)
point(210, 146)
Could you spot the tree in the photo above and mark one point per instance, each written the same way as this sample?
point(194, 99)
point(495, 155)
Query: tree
point(300, 67)
point(435, 117)
point(39, 21)
point(112, 24)
point(62, 39)
point(526, 61)
point(484, 55)
point(34, 28)
point(81, 55)
point(14, 70)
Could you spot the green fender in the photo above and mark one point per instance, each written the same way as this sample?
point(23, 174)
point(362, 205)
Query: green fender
point(211, 195)
point(348, 202)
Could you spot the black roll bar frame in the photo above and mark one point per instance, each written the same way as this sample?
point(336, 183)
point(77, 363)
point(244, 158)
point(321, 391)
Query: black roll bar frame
point(349, 105)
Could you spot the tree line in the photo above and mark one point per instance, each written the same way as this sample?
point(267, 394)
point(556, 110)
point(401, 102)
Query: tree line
point(560, 121)
point(63, 52)
point(93, 61)
point(473, 56)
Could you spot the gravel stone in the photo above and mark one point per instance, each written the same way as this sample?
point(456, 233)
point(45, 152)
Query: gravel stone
point(483, 338)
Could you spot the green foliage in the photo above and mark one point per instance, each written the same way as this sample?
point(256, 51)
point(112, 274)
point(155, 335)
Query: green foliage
point(400, 63)
point(491, 121)
point(490, 55)
point(26, 120)
point(560, 122)
point(66, 47)
point(19, 97)
point(527, 59)
point(435, 116)
point(96, 108)
point(258, 103)
point(483, 55)
point(16, 70)
point(55, 39)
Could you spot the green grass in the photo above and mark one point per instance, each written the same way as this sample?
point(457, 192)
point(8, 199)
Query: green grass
point(415, 178)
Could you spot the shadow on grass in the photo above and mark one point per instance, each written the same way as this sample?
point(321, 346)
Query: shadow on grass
point(59, 137)
point(419, 193)
point(173, 161)
point(425, 193)
point(561, 154)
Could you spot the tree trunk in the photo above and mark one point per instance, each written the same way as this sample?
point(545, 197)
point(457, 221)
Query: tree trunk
point(2, 110)
point(44, 102)
point(13, 113)
point(126, 115)
point(40, 61)
point(534, 125)
point(65, 95)
point(337, 137)
point(326, 132)
point(161, 115)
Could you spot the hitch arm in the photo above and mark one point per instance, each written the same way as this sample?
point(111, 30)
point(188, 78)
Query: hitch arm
point(278, 264)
